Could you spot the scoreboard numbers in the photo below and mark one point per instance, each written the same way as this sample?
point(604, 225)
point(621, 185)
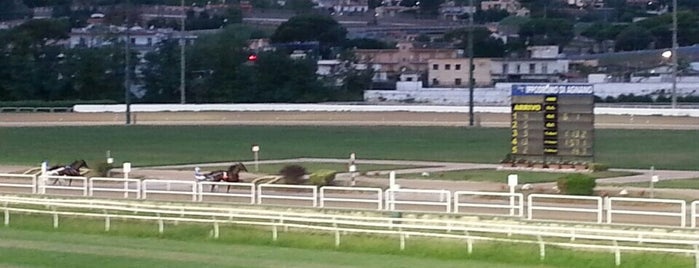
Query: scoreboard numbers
point(552, 122)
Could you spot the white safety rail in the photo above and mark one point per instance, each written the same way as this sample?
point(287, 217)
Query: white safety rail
point(532, 206)
point(586, 237)
point(204, 189)
point(78, 184)
point(515, 209)
point(169, 187)
point(681, 212)
point(409, 197)
point(287, 192)
point(340, 194)
point(694, 214)
point(29, 179)
point(119, 185)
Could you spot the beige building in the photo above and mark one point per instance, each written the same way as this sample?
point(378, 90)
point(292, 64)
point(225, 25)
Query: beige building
point(404, 58)
point(454, 72)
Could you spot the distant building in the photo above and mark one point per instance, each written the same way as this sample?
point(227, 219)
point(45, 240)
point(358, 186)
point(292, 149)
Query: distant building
point(97, 35)
point(343, 6)
point(450, 10)
point(453, 73)
point(42, 12)
point(406, 57)
point(543, 52)
point(529, 70)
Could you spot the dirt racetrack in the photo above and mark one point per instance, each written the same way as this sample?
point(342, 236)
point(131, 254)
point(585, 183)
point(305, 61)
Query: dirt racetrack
point(323, 118)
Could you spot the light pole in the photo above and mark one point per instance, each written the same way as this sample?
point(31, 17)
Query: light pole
point(673, 91)
point(182, 54)
point(127, 67)
point(470, 63)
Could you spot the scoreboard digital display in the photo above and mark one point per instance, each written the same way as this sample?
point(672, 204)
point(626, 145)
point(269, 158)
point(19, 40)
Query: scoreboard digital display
point(552, 122)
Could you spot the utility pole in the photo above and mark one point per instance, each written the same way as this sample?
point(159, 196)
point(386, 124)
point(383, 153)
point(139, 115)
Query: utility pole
point(675, 55)
point(182, 54)
point(470, 63)
point(127, 66)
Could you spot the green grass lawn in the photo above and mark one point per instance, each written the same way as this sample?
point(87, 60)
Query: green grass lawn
point(160, 145)
point(675, 184)
point(501, 175)
point(30, 241)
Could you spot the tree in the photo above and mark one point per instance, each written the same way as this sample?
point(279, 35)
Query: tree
point(483, 44)
point(161, 74)
point(660, 28)
point(310, 27)
point(601, 31)
point(633, 38)
point(300, 6)
point(547, 31)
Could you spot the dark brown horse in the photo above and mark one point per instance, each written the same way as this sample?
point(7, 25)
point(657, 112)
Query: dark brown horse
point(67, 170)
point(230, 175)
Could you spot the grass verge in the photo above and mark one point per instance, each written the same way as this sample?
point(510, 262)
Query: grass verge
point(31, 242)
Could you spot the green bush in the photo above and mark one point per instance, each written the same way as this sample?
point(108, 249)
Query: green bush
point(599, 167)
point(102, 169)
point(293, 174)
point(323, 177)
point(576, 184)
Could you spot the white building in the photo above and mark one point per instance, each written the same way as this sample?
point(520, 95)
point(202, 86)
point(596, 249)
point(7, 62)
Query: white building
point(529, 70)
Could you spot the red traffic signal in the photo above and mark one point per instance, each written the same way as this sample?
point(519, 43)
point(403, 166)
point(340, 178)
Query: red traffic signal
point(252, 57)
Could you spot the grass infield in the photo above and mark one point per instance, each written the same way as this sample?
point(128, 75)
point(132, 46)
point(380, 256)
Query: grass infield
point(160, 145)
point(30, 241)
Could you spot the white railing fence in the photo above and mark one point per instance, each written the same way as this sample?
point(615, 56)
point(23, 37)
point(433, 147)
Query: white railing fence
point(244, 190)
point(119, 185)
point(681, 212)
point(395, 197)
point(64, 183)
point(602, 238)
point(351, 195)
point(532, 205)
point(287, 192)
point(169, 187)
point(418, 200)
point(515, 207)
point(19, 181)
point(693, 213)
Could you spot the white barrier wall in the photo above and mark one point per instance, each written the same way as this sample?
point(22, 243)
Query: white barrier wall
point(119, 108)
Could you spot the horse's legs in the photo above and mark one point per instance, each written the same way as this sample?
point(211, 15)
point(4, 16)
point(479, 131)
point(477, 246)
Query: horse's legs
point(70, 181)
point(229, 189)
point(212, 188)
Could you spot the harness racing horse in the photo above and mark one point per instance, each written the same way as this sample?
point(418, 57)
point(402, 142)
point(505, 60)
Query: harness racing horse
point(230, 175)
point(72, 170)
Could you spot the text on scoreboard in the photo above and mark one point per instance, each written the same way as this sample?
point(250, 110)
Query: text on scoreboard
point(552, 120)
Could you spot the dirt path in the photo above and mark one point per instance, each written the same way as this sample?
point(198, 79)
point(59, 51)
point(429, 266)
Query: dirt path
point(323, 118)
